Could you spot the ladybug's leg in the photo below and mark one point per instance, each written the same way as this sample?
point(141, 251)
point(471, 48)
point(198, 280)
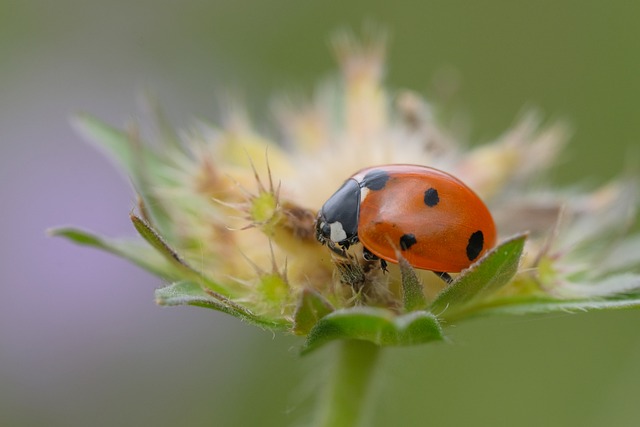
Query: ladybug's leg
point(444, 276)
point(369, 256)
point(339, 251)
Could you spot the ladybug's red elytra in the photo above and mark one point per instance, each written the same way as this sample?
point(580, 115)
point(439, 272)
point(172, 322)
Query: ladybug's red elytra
point(431, 217)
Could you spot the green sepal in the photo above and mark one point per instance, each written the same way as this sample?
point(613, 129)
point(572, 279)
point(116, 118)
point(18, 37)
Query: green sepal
point(542, 305)
point(310, 309)
point(376, 325)
point(152, 237)
point(159, 244)
point(482, 279)
point(412, 290)
point(190, 293)
point(135, 251)
point(117, 144)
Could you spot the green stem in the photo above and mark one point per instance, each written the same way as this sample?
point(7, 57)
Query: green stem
point(344, 400)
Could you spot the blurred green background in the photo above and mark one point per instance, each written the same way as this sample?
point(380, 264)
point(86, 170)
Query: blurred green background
point(81, 342)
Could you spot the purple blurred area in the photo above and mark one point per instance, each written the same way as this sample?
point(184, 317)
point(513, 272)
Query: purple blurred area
point(81, 340)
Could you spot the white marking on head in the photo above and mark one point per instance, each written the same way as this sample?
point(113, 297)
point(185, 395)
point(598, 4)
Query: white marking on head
point(337, 232)
point(363, 193)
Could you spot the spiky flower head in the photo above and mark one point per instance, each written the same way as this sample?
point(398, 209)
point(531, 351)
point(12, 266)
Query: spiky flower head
point(227, 216)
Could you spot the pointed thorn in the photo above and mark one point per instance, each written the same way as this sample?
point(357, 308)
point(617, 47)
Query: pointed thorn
point(244, 191)
point(277, 193)
point(266, 155)
point(259, 271)
point(236, 206)
point(261, 188)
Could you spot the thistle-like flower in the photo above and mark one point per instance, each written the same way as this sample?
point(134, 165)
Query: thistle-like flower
point(227, 216)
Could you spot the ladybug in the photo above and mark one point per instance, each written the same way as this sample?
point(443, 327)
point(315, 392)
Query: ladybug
point(434, 220)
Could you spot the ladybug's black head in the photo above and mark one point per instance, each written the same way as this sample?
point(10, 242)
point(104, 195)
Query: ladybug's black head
point(337, 222)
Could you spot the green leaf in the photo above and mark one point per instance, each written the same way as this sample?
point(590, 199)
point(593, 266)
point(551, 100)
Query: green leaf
point(156, 241)
point(114, 142)
point(412, 290)
point(311, 307)
point(377, 325)
point(190, 293)
point(483, 278)
point(134, 251)
point(541, 305)
point(137, 161)
point(605, 287)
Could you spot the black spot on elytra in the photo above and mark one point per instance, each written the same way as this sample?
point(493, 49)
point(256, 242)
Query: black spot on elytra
point(475, 245)
point(375, 180)
point(407, 240)
point(431, 197)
